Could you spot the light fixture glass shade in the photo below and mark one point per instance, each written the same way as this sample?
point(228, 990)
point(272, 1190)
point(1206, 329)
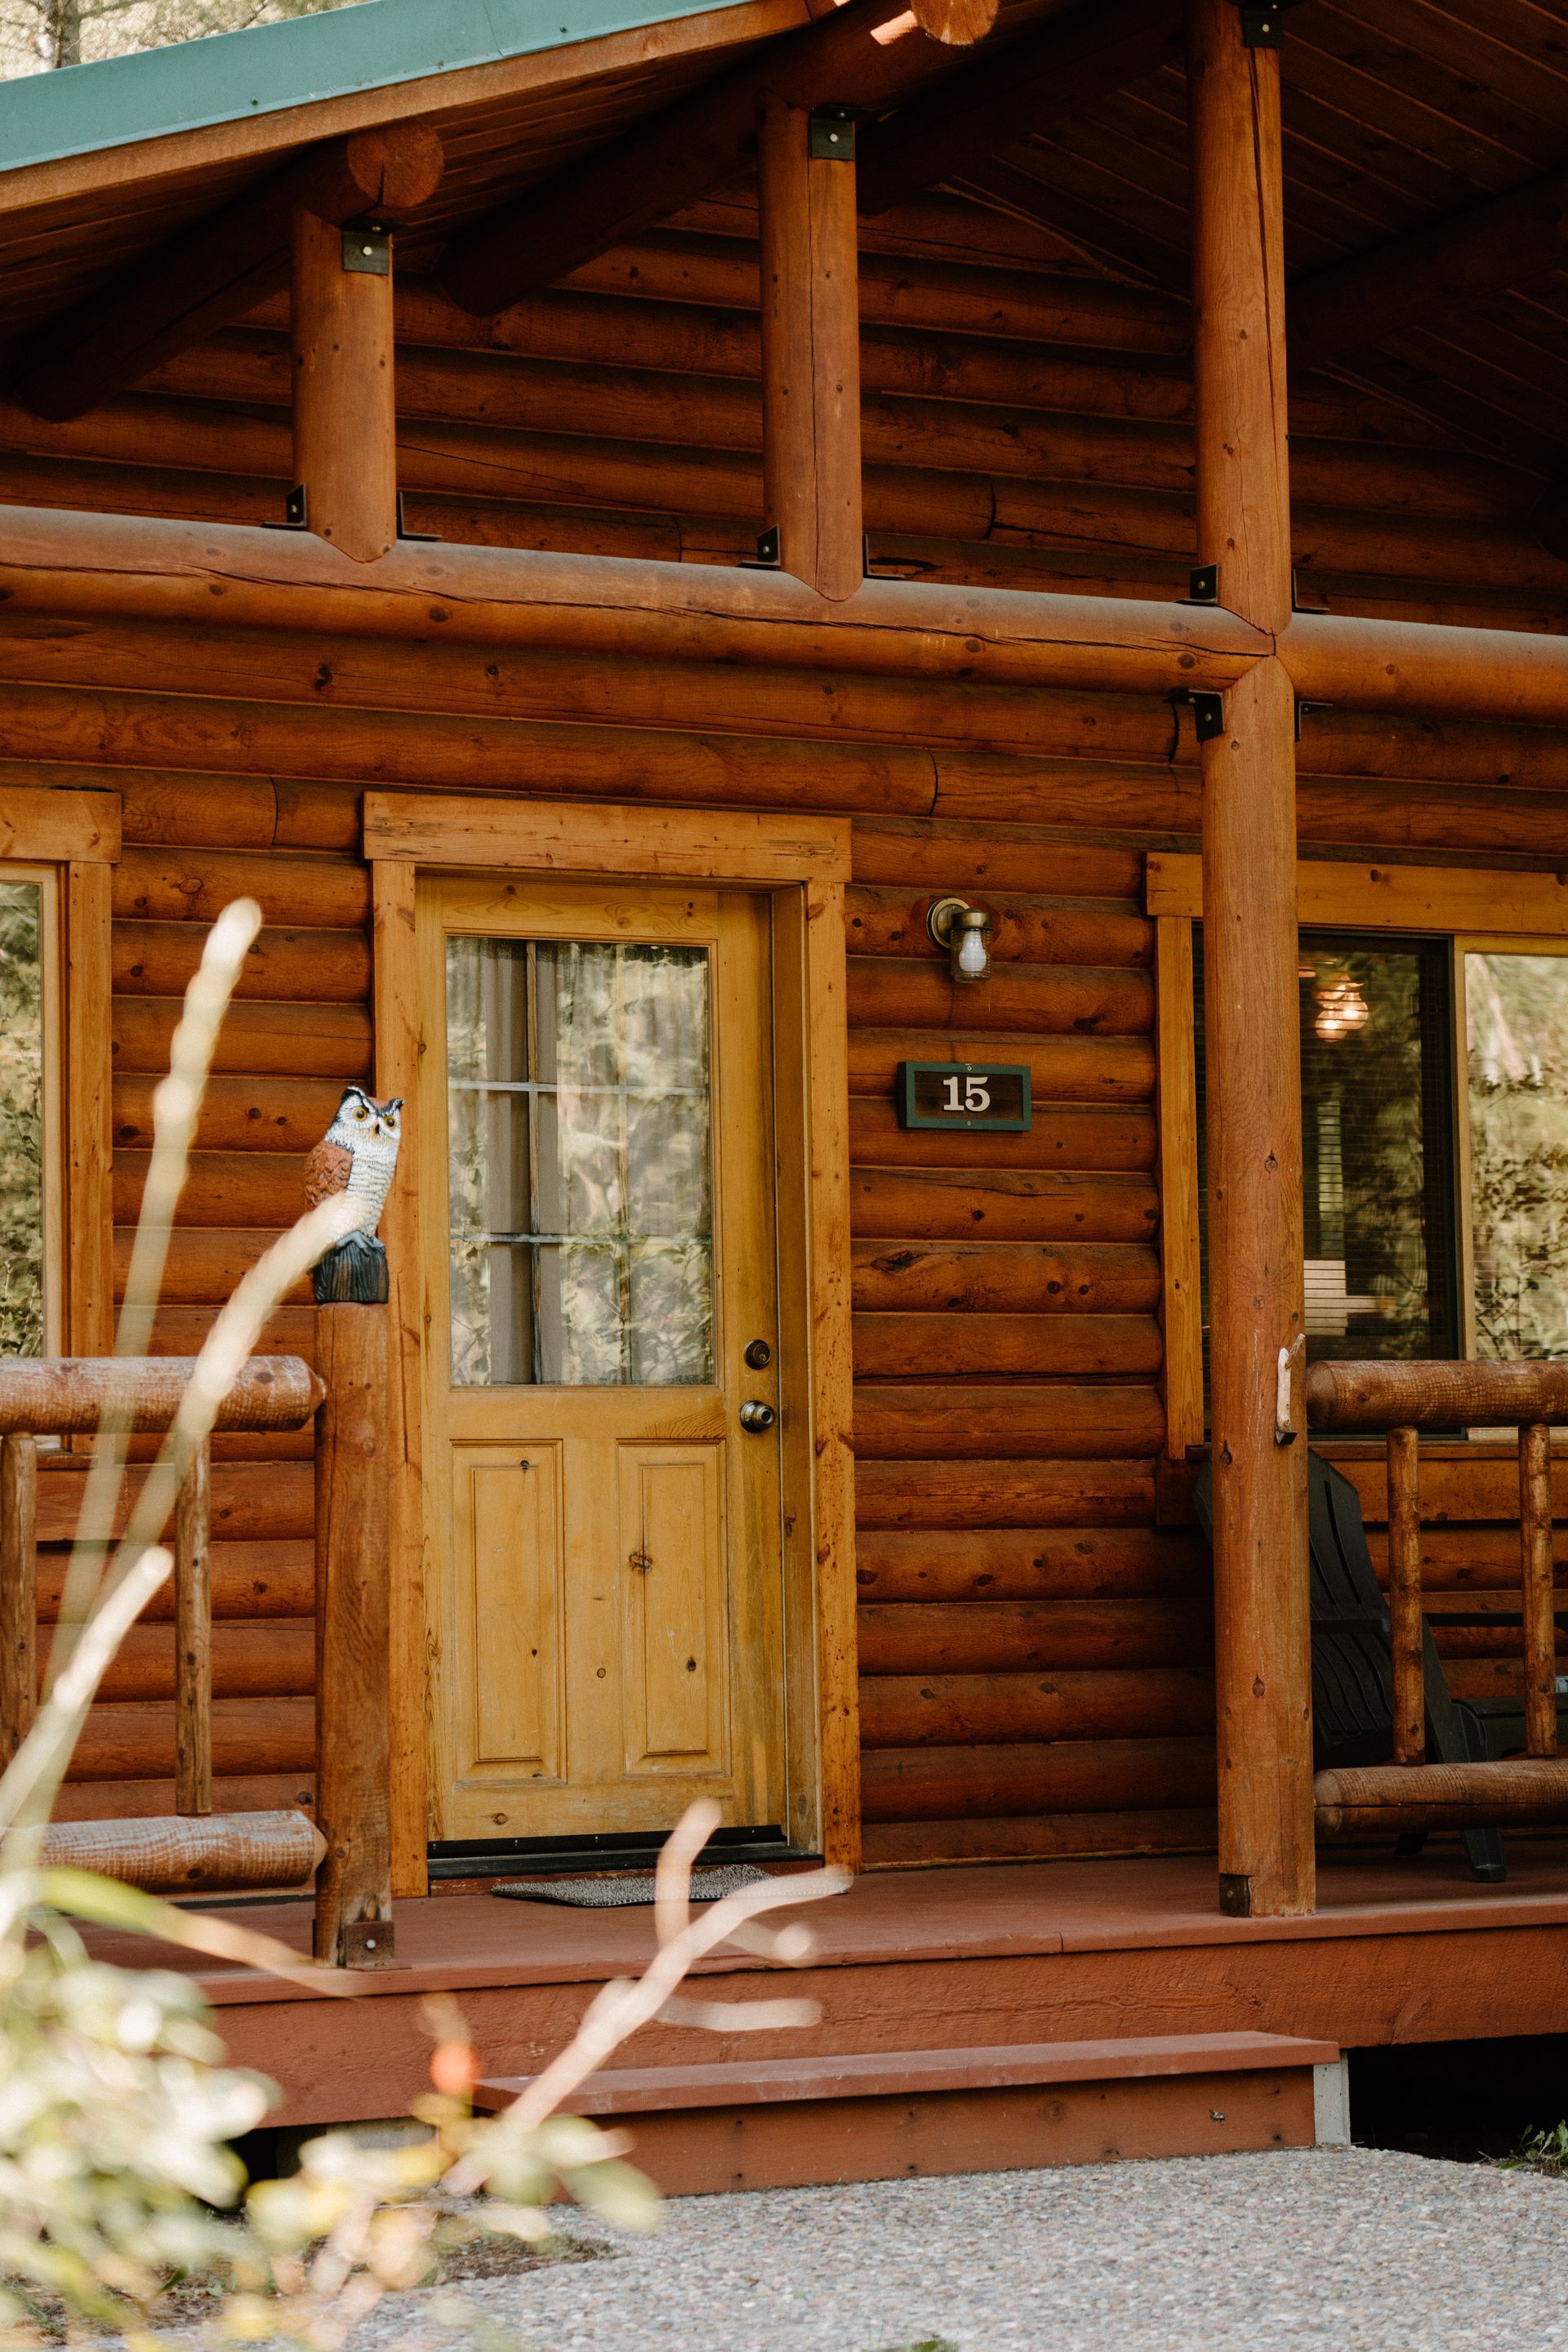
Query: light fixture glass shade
point(970, 954)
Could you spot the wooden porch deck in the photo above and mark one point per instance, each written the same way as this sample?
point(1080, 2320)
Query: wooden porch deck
point(980, 1958)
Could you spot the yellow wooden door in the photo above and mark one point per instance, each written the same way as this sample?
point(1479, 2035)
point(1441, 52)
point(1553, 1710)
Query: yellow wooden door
point(603, 1505)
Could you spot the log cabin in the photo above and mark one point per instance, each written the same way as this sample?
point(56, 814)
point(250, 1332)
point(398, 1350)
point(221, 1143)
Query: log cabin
point(896, 669)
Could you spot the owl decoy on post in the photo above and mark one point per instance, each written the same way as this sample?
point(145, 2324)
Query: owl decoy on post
point(357, 1157)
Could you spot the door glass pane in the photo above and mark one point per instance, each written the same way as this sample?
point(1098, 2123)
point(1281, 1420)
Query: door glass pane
point(1517, 1009)
point(21, 1120)
point(1376, 1146)
point(581, 1192)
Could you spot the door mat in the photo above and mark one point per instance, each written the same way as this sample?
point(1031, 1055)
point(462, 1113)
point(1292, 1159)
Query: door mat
point(636, 1886)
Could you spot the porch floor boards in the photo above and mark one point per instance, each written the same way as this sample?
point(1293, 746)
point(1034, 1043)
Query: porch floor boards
point(936, 1960)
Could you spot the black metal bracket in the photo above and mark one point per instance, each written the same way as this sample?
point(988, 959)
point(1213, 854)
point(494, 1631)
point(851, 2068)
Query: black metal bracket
point(1203, 584)
point(1207, 710)
point(766, 557)
point(830, 135)
point(1296, 603)
point(1261, 25)
point(368, 1944)
point(296, 511)
point(418, 538)
point(1305, 711)
point(368, 252)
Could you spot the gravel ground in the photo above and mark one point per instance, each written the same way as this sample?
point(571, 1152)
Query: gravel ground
point(1358, 2250)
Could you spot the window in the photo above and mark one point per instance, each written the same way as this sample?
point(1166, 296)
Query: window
point(1516, 1106)
point(582, 1245)
point(28, 1251)
point(1377, 1145)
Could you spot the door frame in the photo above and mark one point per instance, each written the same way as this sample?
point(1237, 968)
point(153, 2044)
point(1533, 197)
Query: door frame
point(801, 864)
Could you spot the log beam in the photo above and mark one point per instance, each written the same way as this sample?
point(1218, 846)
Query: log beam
point(1261, 1593)
point(345, 419)
point(1013, 92)
point(678, 156)
point(134, 567)
point(219, 269)
point(811, 349)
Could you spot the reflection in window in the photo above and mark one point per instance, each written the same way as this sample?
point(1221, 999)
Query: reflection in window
point(21, 1120)
point(1516, 1007)
point(1376, 1146)
point(580, 1201)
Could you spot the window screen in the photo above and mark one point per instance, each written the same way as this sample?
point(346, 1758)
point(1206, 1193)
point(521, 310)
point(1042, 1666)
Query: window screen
point(1378, 1141)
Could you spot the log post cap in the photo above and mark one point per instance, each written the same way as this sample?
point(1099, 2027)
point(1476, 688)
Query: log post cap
point(390, 170)
point(1382, 1396)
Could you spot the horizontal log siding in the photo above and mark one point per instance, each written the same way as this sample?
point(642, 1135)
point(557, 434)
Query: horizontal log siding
point(1018, 430)
point(1035, 1654)
point(298, 1028)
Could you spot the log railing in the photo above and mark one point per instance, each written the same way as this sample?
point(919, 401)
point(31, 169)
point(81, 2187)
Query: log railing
point(196, 1850)
point(1401, 1399)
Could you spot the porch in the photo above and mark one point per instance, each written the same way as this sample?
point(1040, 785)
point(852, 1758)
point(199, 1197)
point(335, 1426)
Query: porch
point(1102, 1960)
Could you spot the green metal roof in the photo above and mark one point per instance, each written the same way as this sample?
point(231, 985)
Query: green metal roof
point(230, 77)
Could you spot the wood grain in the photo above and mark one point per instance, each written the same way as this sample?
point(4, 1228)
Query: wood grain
point(353, 1523)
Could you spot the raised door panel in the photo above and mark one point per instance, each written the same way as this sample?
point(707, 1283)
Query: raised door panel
point(510, 1542)
point(677, 1661)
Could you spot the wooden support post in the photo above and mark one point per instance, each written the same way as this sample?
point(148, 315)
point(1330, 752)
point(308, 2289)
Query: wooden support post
point(1261, 1589)
point(1537, 1586)
point(811, 347)
point(18, 1592)
point(1405, 1630)
point(193, 1639)
point(354, 1486)
point(345, 427)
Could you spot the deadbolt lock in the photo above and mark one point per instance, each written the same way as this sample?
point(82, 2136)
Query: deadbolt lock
point(756, 1416)
point(759, 1355)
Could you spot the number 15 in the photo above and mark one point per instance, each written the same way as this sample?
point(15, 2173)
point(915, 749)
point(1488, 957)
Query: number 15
point(977, 1093)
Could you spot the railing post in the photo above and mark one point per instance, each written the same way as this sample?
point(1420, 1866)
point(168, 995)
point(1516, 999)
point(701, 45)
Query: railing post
point(1538, 1599)
point(18, 1592)
point(1407, 1633)
point(193, 1638)
point(354, 1490)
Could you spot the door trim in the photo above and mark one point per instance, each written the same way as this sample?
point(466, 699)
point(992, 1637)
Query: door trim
point(803, 864)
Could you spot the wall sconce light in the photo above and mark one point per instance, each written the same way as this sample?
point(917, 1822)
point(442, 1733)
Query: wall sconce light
point(963, 933)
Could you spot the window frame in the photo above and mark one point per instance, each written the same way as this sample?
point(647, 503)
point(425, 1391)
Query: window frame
point(70, 839)
point(1462, 905)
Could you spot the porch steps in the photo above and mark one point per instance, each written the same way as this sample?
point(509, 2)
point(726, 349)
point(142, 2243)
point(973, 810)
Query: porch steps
point(786, 2123)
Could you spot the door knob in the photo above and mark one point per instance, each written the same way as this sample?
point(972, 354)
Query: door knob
point(756, 1416)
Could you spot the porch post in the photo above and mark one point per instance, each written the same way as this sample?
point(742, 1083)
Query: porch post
point(1262, 1660)
point(346, 424)
point(811, 346)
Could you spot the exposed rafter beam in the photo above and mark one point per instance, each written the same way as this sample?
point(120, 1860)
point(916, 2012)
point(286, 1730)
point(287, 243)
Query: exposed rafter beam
point(1417, 278)
point(219, 268)
point(686, 151)
point(947, 132)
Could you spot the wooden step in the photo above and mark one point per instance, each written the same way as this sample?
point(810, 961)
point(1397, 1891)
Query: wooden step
point(785, 2123)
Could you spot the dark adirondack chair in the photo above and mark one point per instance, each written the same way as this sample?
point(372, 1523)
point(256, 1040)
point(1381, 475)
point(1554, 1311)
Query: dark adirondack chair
point(1352, 1676)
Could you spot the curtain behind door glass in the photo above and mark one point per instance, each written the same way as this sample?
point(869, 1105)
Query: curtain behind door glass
point(580, 1143)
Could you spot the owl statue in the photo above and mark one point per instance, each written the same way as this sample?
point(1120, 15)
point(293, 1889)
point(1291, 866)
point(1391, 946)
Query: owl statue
point(357, 1157)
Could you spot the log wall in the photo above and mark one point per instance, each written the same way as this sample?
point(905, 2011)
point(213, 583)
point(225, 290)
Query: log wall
point(299, 1026)
point(1035, 1637)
